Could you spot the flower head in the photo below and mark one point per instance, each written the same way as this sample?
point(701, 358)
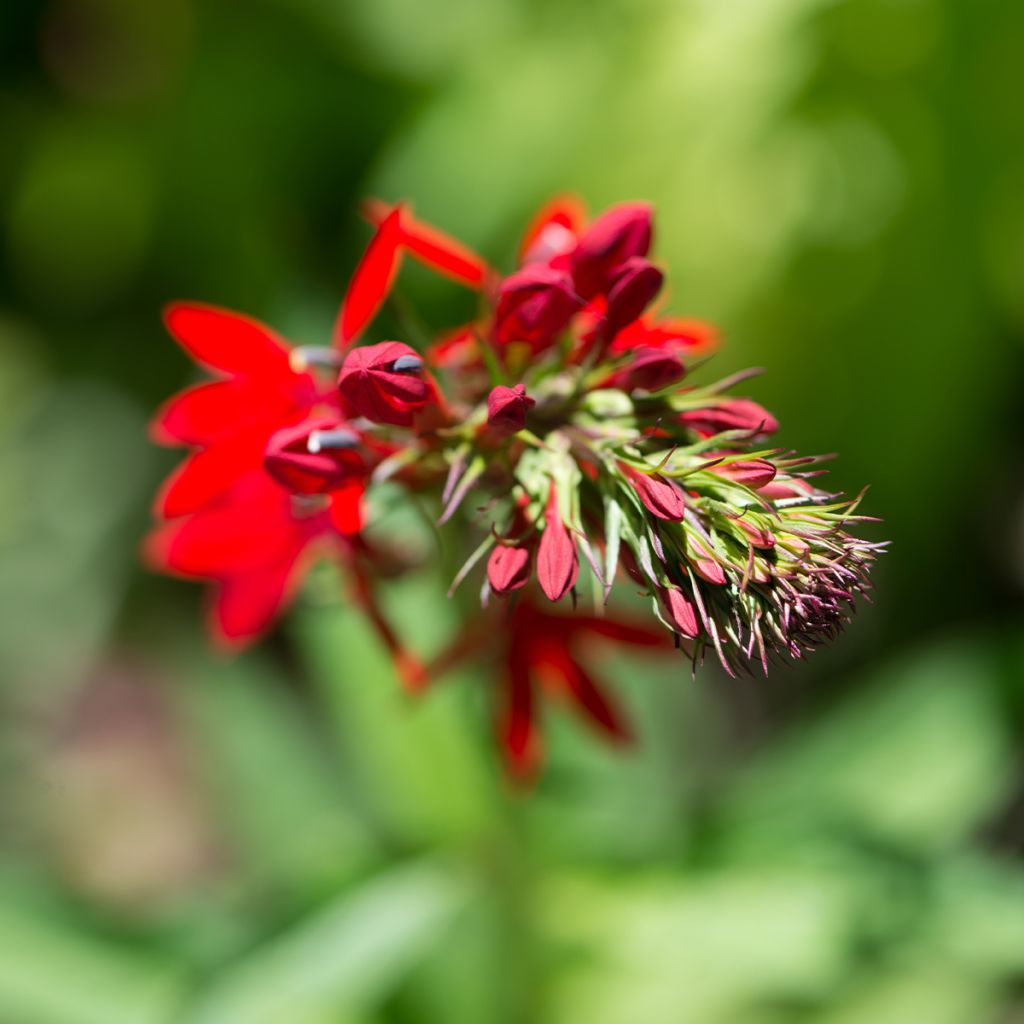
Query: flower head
point(561, 427)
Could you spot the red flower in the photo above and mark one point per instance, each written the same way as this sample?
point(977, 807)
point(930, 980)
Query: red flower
point(507, 407)
point(315, 457)
point(558, 563)
point(676, 334)
point(535, 305)
point(543, 652)
point(384, 382)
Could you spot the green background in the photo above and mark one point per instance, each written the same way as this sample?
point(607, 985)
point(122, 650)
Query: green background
point(284, 837)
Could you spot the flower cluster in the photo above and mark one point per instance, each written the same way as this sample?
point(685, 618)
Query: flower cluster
point(560, 426)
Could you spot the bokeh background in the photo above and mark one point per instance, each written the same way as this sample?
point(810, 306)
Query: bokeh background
point(282, 837)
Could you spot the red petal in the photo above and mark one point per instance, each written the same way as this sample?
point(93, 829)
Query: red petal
point(518, 732)
point(226, 341)
point(623, 632)
point(346, 508)
point(434, 248)
point(208, 474)
point(247, 603)
point(592, 702)
point(371, 281)
point(200, 415)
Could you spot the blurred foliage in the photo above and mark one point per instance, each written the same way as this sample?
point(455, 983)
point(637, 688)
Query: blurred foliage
point(287, 836)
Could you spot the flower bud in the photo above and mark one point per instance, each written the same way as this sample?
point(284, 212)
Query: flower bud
point(557, 559)
point(508, 568)
point(792, 487)
point(680, 612)
point(758, 536)
point(651, 369)
point(534, 305)
point(384, 382)
point(661, 497)
point(615, 236)
point(314, 457)
point(754, 473)
point(703, 560)
point(631, 289)
point(507, 407)
point(731, 414)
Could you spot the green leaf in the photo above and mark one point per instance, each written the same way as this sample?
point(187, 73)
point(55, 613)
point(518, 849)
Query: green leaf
point(344, 958)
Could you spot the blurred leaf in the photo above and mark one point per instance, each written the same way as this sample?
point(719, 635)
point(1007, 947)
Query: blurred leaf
point(919, 759)
point(343, 958)
point(418, 760)
point(53, 973)
point(663, 948)
point(275, 786)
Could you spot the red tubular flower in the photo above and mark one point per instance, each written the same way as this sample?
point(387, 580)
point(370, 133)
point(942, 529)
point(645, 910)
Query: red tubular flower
point(557, 559)
point(615, 236)
point(632, 287)
point(507, 407)
point(730, 414)
point(384, 383)
point(315, 456)
point(535, 304)
point(508, 568)
point(754, 473)
point(541, 652)
point(661, 497)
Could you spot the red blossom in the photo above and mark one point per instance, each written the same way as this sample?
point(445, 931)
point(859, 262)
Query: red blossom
point(384, 382)
point(543, 652)
point(314, 457)
point(679, 335)
point(535, 304)
point(507, 407)
point(552, 234)
point(557, 559)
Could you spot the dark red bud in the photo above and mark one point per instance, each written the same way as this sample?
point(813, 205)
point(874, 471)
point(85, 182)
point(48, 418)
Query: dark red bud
point(507, 407)
point(661, 497)
point(618, 234)
point(508, 568)
point(651, 369)
point(753, 473)
point(731, 414)
point(557, 559)
point(680, 612)
point(534, 305)
point(384, 382)
point(631, 288)
point(314, 457)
